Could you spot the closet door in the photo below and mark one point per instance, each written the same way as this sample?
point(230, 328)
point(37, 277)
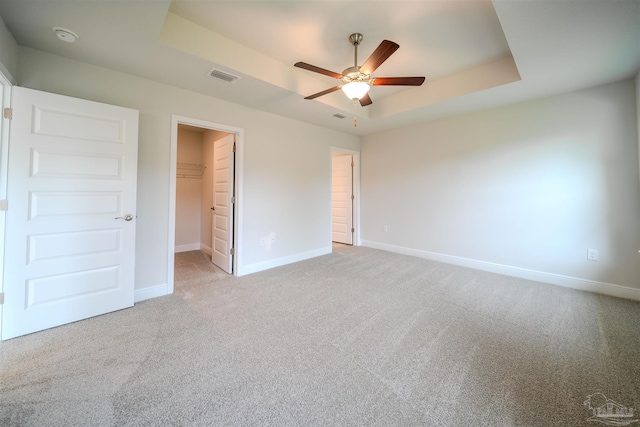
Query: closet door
point(342, 199)
point(222, 218)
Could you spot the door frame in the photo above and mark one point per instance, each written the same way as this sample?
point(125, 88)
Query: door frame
point(356, 191)
point(5, 102)
point(238, 174)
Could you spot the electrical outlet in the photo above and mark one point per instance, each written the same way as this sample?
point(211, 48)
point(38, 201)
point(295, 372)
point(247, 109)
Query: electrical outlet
point(385, 228)
point(592, 254)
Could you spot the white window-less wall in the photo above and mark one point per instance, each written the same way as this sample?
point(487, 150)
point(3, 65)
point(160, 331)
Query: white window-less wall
point(524, 190)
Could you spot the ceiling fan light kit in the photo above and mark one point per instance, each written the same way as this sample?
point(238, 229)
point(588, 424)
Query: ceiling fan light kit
point(356, 90)
point(357, 80)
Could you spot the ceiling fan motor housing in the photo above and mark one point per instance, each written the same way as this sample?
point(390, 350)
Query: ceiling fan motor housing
point(353, 74)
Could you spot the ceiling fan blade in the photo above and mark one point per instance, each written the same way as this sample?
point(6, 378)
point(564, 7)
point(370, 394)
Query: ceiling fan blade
point(313, 68)
point(382, 52)
point(366, 100)
point(398, 81)
point(324, 92)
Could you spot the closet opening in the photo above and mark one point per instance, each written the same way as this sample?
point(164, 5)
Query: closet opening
point(205, 200)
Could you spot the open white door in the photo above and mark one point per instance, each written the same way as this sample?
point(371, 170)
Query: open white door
point(222, 218)
point(70, 239)
point(342, 199)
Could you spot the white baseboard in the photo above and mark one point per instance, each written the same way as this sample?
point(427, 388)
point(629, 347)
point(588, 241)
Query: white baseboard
point(523, 273)
point(265, 265)
point(150, 292)
point(187, 248)
point(206, 249)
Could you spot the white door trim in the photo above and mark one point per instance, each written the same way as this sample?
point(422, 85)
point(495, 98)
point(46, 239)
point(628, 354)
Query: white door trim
point(237, 208)
point(356, 190)
point(5, 102)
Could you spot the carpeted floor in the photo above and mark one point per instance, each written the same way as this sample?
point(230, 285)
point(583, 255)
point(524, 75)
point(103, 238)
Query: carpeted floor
point(359, 337)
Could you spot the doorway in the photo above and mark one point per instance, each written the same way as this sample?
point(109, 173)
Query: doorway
point(206, 193)
point(345, 196)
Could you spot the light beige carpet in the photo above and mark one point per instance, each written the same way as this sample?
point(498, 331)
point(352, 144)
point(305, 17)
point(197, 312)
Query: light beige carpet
point(359, 337)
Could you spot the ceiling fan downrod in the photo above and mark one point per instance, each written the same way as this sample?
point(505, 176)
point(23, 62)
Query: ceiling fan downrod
point(355, 39)
point(353, 73)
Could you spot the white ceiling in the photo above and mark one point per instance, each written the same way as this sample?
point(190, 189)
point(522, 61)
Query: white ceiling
point(475, 54)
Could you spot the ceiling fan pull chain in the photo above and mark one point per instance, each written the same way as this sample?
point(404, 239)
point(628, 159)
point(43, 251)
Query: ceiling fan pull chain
point(355, 117)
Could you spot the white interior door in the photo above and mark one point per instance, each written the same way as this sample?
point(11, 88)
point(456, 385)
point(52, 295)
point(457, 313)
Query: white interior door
point(222, 218)
point(342, 199)
point(70, 240)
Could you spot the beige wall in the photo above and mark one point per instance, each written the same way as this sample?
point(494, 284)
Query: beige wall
point(532, 186)
point(287, 163)
point(188, 189)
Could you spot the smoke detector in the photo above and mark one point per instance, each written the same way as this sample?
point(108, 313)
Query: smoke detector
point(65, 35)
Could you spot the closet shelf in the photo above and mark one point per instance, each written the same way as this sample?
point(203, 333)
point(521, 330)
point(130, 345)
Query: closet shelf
point(190, 170)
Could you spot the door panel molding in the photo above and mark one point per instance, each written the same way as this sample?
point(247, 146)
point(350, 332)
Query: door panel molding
point(222, 220)
point(70, 257)
point(356, 190)
point(342, 198)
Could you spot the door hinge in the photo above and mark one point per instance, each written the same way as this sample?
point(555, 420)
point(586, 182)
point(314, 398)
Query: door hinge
point(8, 113)
point(234, 147)
point(4, 205)
point(352, 164)
point(233, 199)
point(232, 251)
point(353, 197)
point(1, 298)
point(353, 230)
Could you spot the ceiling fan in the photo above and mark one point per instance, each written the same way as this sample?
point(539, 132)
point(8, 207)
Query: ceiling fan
point(358, 80)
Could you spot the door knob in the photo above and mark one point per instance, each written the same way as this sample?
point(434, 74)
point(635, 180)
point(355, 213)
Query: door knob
point(127, 217)
point(212, 208)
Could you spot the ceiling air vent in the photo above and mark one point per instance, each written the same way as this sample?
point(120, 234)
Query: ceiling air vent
point(340, 116)
point(221, 75)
